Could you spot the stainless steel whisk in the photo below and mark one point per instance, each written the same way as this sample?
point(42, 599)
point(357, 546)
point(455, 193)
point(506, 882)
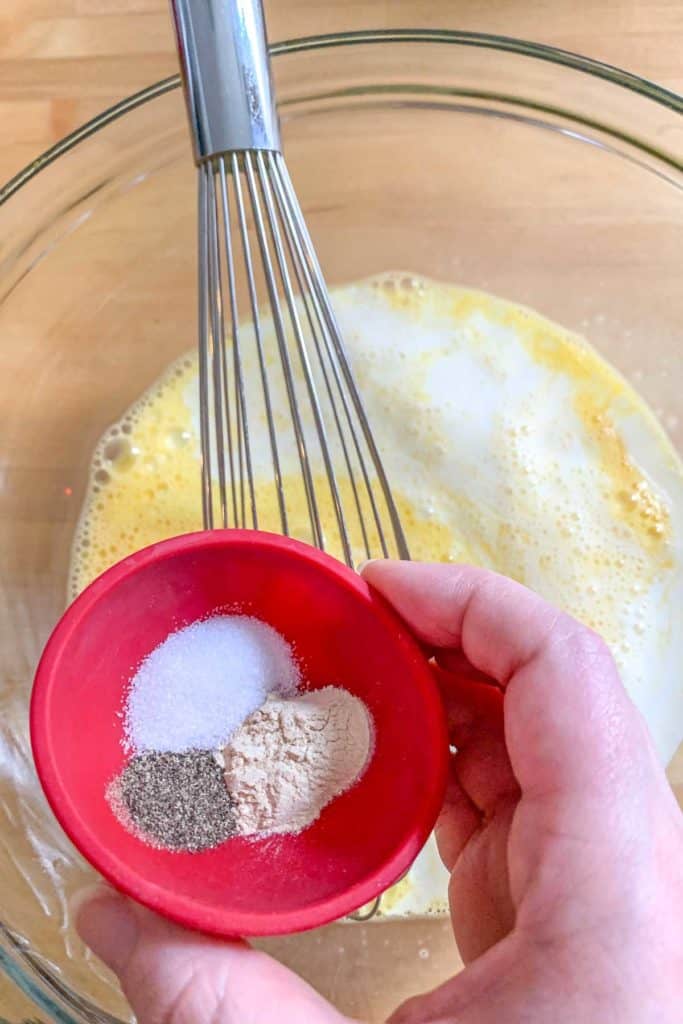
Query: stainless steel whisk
point(281, 393)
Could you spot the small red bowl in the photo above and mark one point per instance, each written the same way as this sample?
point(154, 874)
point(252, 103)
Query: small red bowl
point(342, 633)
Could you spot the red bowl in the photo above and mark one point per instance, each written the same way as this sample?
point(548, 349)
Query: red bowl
point(343, 634)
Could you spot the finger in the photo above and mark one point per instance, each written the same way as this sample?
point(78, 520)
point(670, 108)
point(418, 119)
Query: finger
point(471, 705)
point(457, 665)
point(458, 821)
point(482, 767)
point(569, 725)
point(475, 722)
point(482, 910)
point(172, 976)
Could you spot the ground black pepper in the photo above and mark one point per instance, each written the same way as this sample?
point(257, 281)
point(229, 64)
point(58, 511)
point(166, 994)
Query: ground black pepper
point(176, 801)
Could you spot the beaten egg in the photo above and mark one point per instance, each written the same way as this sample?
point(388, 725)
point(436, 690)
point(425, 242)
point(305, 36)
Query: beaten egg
point(509, 443)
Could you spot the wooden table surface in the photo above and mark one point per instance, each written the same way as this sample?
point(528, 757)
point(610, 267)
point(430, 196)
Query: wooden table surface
point(61, 61)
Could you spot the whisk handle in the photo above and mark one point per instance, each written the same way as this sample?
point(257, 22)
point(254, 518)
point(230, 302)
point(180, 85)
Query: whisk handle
point(226, 74)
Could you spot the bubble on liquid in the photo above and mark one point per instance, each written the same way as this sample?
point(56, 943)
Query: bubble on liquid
point(409, 283)
point(116, 449)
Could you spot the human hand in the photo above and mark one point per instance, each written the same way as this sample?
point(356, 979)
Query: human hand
point(563, 839)
point(564, 842)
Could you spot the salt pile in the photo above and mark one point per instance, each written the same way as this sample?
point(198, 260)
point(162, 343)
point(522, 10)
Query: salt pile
point(197, 688)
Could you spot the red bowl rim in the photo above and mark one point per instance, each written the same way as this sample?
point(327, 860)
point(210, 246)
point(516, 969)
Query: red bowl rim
point(183, 909)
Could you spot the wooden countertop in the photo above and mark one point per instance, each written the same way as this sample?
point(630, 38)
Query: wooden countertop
point(61, 61)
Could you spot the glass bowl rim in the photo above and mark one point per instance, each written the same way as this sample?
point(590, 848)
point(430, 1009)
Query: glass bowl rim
point(626, 80)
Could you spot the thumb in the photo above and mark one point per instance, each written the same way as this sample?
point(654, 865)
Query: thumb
point(173, 976)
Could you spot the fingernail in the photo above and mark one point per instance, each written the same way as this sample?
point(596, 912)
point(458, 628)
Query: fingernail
point(107, 923)
point(363, 565)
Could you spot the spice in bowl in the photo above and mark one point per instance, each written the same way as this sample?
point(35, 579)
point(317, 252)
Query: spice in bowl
point(292, 757)
point(199, 685)
point(175, 801)
point(222, 741)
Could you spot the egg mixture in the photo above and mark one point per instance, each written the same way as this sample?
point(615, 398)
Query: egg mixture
point(509, 443)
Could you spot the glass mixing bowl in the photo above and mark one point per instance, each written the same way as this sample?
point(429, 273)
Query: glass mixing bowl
point(534, 174)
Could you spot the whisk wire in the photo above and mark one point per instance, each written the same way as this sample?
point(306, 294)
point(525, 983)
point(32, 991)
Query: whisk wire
point(204, 353)
point(243, 441)
point(320, 290)
point(304, 358)
point(278, 322)
point(234, 326)
point(256, 321)
point(310, 298)
point(247, 205)
point(218, 358)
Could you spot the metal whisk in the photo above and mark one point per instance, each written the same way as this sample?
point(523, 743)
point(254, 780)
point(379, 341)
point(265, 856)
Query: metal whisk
point(285, 440)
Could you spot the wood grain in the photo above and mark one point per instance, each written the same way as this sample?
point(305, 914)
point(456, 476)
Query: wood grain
point(61, 61)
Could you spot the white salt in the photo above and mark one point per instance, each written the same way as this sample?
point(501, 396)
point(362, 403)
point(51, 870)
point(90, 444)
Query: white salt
point(197, 688)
